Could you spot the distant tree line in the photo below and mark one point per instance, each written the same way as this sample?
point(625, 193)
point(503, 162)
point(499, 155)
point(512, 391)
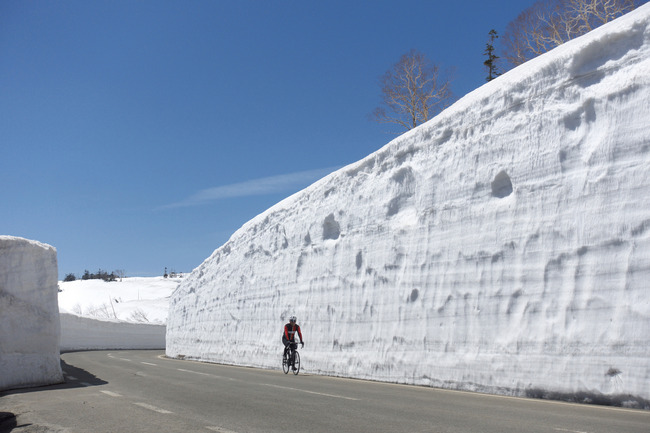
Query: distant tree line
point(414, 89)
point(99, 275)
point(172, 274)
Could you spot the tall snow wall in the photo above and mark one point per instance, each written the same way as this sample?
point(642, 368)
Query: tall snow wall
point(29, 314)
point(503, 247)
point(84, 333)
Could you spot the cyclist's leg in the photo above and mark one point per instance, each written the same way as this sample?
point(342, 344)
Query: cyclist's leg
point(294, 346)
point(286, 345)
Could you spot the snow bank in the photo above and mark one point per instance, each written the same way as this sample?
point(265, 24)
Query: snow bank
point(29, 316)
point(502, 247)
point(83, 333)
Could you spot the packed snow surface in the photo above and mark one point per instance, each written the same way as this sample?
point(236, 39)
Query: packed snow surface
point(29, 316)
point(504, 246)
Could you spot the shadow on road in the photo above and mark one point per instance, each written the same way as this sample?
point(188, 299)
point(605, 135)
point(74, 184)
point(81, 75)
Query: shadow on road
point(74, 377)
point(84, 378)
point(7, 422)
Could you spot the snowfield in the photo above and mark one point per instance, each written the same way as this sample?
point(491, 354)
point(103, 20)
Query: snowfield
point(127, 314)
point(134, 299)
point(502, 247)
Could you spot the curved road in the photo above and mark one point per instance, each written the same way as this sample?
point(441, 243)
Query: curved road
point(142, 391)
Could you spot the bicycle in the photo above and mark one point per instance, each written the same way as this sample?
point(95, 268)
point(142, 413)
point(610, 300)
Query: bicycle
point(291, 358)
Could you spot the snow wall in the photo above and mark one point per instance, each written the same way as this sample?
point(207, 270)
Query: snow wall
point(29, 314)
point(502, 247)
point(83, 333)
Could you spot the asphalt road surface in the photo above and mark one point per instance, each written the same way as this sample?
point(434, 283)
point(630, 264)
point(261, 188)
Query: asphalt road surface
point(142, 391)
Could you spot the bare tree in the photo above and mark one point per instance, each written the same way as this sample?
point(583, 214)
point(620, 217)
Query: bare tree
point(139, 315)
point(413, 91)
point(536, 30)
point(586, 15)
point(120, 273)
point(550, 23)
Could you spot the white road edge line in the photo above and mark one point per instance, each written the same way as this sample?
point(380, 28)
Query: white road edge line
point(203, 374)
point(110, 355)
point(195, 372)
point(567, 430)
point(153, 408)
point(218, 429)
point(310, 392)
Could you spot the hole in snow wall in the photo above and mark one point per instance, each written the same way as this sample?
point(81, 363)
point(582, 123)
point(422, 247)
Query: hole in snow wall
point(501, 185)
point(331, 228)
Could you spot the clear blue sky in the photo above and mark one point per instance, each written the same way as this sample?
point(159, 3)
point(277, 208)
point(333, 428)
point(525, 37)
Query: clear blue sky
point(140, 135)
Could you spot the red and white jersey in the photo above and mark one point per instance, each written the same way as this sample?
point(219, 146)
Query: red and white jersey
point(290, 331)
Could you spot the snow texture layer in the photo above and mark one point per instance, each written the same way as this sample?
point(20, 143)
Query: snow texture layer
point(83, 333)
point(29, 314)
point(502, 247)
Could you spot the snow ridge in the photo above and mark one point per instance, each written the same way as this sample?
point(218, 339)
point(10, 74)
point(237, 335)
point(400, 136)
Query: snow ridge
point(502, 247)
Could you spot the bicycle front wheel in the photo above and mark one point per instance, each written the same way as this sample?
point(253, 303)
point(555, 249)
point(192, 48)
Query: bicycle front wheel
point(285, 363)
point(296, 363)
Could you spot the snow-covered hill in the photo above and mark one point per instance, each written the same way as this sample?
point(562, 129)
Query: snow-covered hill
point(502, 247)
point(127, 314)
point(135, 299)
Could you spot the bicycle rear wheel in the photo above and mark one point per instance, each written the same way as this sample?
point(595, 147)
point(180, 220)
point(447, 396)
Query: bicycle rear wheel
point(296, 363)
point(285, 363)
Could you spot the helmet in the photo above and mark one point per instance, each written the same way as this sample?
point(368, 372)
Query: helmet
point(292, 319)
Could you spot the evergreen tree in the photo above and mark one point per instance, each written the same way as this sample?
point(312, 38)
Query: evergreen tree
point(490, 63)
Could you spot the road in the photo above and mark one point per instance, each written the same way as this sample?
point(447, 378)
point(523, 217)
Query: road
point(142, 391)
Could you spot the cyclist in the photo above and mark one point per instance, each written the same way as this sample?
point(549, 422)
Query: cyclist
point(289, 335)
